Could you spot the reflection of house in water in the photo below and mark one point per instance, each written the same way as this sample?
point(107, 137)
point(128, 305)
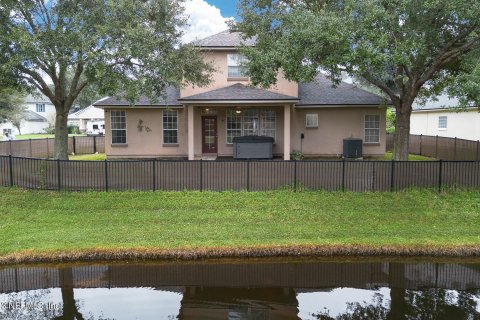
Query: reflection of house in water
point(261, 290)
point(239, 303)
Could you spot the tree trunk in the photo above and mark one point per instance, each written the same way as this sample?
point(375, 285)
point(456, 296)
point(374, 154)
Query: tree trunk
point(61, 134)
point(401, 138)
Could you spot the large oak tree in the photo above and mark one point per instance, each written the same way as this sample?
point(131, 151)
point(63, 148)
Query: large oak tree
point(130, 47)
point(406, 48)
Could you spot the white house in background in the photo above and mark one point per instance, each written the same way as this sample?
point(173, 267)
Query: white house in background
point(90, 120)
point(39, 115)
point(442, 119)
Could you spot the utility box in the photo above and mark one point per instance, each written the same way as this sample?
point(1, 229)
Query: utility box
point(352, 148)
point(252, 147)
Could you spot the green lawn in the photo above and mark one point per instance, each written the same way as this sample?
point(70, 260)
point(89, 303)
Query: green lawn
point(33, 222)
point(88, 157)
point(411, 157)
point(40, 136)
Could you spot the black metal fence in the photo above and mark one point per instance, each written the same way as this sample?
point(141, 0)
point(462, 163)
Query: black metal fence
point(176, 175)
point(441, 147)
point(44, 148)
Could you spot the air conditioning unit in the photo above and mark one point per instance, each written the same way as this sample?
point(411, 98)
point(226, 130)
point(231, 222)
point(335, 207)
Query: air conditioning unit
point(352, 148)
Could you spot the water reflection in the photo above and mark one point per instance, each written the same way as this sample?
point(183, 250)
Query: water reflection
point(228, 290)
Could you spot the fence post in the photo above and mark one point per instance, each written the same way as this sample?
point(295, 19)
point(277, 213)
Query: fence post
point(392, 176)
point(436, 146)
point(58, 175)
point(295, 175)
point(48, 149)
point(74, 143)
point(201, 175)
point(94, 144)
point(478, 145)
point(30, 147)
point(440, 176)
point(10, 147)
point(421, 142)
point(106, 175)
point(248, 174)
point(10, 165)
point(154, 175)
point(343, 175)
point(455, 149)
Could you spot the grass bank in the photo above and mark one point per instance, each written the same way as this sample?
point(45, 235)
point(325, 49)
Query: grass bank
point(51, 226)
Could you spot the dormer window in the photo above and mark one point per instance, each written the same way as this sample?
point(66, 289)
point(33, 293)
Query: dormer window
point(236, 65)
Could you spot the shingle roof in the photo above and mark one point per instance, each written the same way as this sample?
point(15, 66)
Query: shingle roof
point(33, 116)
point(443, 102)
point(225, 39)
point(171, 99)
point(321, 92)
point(37, 98)
point(238, 92)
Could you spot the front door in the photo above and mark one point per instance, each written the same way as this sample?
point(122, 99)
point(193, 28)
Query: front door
point(209, 134)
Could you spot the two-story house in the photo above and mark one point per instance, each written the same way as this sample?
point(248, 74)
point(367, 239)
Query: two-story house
point(193, 122)
point(39, 114)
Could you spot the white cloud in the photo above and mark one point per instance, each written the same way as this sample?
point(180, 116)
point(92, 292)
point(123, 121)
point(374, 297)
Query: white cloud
point(204, 20)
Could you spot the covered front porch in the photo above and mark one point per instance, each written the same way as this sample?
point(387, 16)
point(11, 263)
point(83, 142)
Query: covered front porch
point(215, 117)
point(212, 127)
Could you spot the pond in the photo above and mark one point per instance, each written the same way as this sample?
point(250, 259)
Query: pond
point(244, 289)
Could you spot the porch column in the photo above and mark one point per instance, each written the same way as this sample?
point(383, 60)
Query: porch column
point(286, 132)
point(191, 135)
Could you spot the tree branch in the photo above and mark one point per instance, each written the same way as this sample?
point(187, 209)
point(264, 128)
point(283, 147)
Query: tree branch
point(382, 87)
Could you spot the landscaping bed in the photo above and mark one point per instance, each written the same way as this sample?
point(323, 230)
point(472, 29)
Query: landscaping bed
point(60, 226)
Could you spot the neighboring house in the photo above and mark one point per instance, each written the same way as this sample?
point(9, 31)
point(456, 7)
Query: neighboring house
point(88, 119)
point(39, 115)
point(193, 121)
point(442, 118)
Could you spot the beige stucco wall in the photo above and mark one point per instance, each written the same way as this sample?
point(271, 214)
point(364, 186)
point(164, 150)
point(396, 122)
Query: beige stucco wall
point(144, 144)
point(464, 125)
point(220, 77)
point(335, 124)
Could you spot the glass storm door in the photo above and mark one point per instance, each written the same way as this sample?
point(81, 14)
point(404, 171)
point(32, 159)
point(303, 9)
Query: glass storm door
point(209, 134)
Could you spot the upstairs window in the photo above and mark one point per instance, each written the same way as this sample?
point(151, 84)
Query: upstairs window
point(236, 66)
point(40, 107)
point(442, 122)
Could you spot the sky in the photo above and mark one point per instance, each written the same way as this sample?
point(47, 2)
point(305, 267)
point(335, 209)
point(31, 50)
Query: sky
point(208, 17)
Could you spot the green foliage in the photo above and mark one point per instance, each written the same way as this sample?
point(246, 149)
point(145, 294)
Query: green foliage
point(11, 105)
point(390, 120)
point(116, 47)
point(73, 129)
point(49, 130)
point(408, 49)
point(297, 155)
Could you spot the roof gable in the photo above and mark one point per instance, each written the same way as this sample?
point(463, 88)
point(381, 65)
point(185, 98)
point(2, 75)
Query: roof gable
point(225, 39)
point(238, 92)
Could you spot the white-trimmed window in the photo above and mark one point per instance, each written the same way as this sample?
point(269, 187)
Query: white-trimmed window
point(442, 122)
point(40, 107)
point(372, 128)
point(268, 123)
point(170, 126)
point(234, 124)
point(236, 65)
point(311, 120)
point(118, 127)
point(250, 122)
